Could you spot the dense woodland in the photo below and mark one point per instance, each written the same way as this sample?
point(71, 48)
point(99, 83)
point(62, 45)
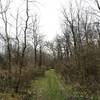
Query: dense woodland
point(25, 54)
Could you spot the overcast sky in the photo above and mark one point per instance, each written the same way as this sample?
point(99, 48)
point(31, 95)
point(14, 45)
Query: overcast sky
point(49, 12)
point(51, 17)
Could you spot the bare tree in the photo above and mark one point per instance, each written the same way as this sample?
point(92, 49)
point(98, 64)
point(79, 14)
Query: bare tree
point(25, 31)
point(35, 37)
point(59, 47)
point(25, 43)
point(6, 38)
point(42, 44)
point(17, 38)
point(71, 22)
point(67, 44)
point(98, 5)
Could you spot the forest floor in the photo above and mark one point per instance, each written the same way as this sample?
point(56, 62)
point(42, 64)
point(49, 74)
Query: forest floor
point(49, 87)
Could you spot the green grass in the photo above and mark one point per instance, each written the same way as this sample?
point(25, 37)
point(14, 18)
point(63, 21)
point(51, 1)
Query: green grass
point(48, 88)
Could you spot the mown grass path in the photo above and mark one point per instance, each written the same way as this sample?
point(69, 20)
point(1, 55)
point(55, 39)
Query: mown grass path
point(51, 87)
point(48, 87)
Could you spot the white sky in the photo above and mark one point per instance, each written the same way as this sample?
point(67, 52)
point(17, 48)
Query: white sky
point(49, 12)
point(51, 17)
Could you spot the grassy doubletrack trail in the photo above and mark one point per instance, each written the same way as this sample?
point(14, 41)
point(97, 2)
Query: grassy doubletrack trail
point(49, 87)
